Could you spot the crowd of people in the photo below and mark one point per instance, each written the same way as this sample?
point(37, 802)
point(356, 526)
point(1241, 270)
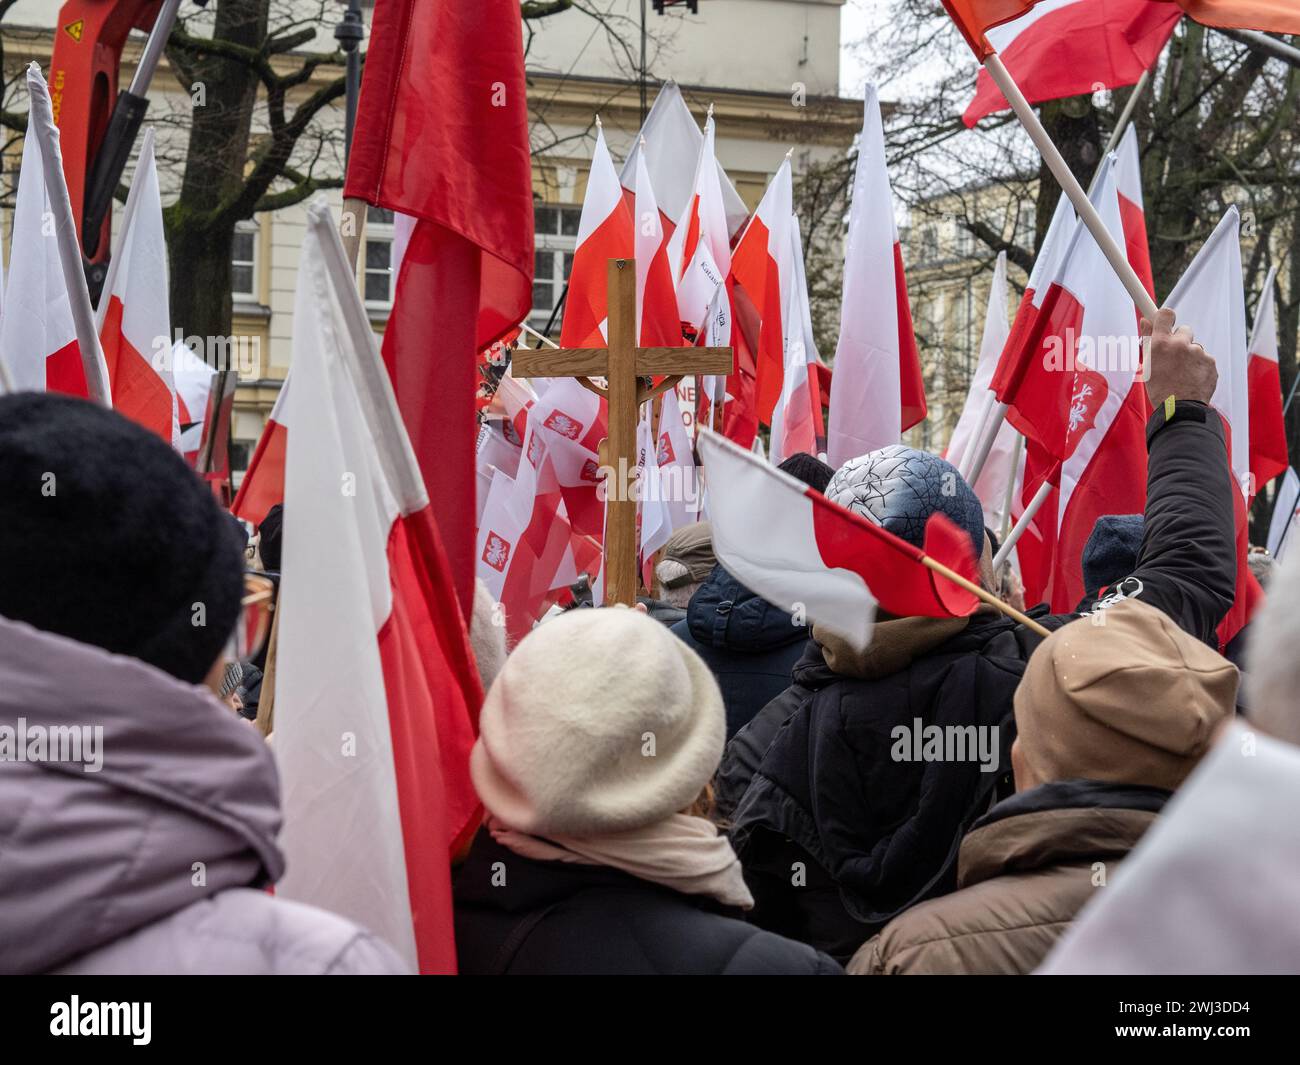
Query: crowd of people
point(705, 784)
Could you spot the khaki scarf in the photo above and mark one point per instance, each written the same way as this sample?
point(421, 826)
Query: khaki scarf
point(895, 644)
point(681, 852)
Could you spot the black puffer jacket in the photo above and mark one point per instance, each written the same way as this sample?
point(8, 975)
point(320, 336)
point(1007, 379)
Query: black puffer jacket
point(836, 834)
point(523, 917)
point(750, 645)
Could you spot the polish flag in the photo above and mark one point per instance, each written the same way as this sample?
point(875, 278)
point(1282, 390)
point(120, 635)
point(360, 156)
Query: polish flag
point(699, 251)
point(877, 391)
point(797, 423)
point(993, 481)
point(1132, 210)
point(760, 267)
point(1064, 48)
point(1073, 391)
point(525, 536)
point(132, 319)
point(192, 377)
point(794, 547)
point(1268, 450)
point(377, 696)
point(263, 483)
point(38, 340)
point(658, 323)
point(604, 233)
point(1210, 300)
point(672, 143)
point(670, 490)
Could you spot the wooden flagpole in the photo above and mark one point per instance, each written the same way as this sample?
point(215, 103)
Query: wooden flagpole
point(984, 595)
point(1115, 255)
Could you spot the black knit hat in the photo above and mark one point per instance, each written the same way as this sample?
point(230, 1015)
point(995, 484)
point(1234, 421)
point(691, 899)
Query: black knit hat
point(1111, 552)
point(107, 537)
point(809, 469)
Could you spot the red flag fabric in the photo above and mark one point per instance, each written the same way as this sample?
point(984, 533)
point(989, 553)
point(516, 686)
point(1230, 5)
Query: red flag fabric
point(976, 17)
point(1071, 47)
point(1268, 450)
point(442, 135)
point(263, 483)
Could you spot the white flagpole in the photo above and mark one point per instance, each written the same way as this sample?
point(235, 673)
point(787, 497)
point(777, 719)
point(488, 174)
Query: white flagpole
point(1035, 504)
point(144, 159)
point(41, 123)
point(1087, 213)
point(994, 426)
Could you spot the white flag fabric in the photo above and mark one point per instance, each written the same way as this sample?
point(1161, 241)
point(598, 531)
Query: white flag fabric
point(1285, 514)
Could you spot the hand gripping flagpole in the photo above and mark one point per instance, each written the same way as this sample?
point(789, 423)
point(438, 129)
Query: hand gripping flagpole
point(41, 123)
point(1087, 213)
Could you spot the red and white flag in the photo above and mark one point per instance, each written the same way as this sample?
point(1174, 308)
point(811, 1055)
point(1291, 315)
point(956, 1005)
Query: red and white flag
point(993, 481)
point(193, 379)
point(669, 485)
point(604, 233)
point(442, 135)
point(797, 418)
point(760, 268)
point(1132, 208)
point(1210, 300)
point(1268, 450)
point(1286, 509)
point(1272, 16)
point(658, 323)
point(38, 339)
point(377, 696)
point(699, 250)
point(816, 555)
point(263, 483)
point(877, 391)
point(132, 319)
point(1073, 390)
point(1064, 48)
point(672, 144)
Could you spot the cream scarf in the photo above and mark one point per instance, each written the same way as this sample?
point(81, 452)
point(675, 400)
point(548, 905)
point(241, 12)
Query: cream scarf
point(680, 852)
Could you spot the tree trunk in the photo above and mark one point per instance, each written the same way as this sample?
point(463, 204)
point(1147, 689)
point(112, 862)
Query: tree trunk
point(1073, 127)
point(200, 224)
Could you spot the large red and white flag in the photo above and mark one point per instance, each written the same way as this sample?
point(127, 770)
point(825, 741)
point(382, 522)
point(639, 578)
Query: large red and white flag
point(817, 555)
point(760, 269)
point(604, 233)
point(877, 391)
point(263, 483)
point(442, 135)
point(1064, 48)
point(672, 144)
point(132, 319)
point(699, 250)
point(976, 414)
point(1073, 390)
point(1268, 450)
point(658, 323)
point(1210, 300)
point(797, 418)
point(38, 339)
point(377, 696)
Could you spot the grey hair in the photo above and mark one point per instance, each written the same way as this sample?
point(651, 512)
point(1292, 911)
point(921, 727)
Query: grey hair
point(1273, 668)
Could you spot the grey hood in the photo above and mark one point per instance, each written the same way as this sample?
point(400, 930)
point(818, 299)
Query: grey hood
point(186, 803)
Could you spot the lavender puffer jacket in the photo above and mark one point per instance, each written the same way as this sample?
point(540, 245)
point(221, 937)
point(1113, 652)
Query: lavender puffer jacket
point(145, 850)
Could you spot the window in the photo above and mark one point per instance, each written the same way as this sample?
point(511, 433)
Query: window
point(243, 262)
point(1026, 225)
point(556, 228)
point(929, 244)
point(378, 281)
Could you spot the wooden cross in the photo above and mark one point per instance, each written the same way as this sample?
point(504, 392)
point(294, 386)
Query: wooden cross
point(622, 364)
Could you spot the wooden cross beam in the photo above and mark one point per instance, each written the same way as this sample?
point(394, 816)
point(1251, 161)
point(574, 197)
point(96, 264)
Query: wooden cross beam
point(622, 364)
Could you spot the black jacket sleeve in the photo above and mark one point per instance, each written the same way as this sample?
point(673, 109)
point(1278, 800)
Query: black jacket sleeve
point(1188, 560)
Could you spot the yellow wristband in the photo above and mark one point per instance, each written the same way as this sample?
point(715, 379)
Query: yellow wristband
point(1170, 402)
